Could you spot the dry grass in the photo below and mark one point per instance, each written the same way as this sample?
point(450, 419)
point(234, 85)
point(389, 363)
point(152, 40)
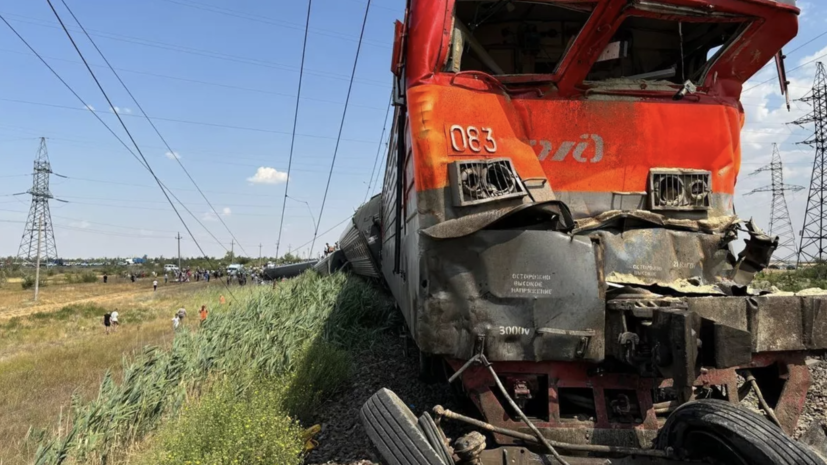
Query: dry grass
point(60, 349)
point(15, 301)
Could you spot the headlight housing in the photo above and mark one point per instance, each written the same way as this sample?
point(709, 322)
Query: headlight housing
point(479, 181)
point(679, 189)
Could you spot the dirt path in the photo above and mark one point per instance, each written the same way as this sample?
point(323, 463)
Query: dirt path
point(54, 306)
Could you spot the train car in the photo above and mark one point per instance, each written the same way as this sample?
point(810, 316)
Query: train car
point(556, 225)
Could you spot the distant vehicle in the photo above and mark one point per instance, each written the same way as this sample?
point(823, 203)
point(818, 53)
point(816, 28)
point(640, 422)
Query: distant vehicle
point(170, 267)
point(234, 268)
point(84, 264)
point(270, 265)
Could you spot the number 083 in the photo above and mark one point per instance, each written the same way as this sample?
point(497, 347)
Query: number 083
point(473, 139)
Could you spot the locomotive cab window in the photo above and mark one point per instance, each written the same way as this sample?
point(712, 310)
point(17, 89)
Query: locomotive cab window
point(660, 50)
point(503, 37)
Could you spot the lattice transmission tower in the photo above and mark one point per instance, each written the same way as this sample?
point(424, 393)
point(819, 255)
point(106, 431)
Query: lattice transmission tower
point(813, 234)
point(38, 240)
point(780, 224)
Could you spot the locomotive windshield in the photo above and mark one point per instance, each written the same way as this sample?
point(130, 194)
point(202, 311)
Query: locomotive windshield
point(507, 37)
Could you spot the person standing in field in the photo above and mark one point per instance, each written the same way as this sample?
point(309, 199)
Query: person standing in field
point(154, 285)
point(107, 322)
point(105, 278)
point(175, 322)
point(221, 299)
point(113, 317)
point(203, 314)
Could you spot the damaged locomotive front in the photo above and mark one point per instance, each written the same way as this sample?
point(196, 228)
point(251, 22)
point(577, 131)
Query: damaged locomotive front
point(558, 201)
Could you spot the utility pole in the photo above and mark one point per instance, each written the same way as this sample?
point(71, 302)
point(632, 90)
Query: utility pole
point(232, 254)
point(813, 246)
point(780, 224)
point(259, 254)
point(179, 251)
point(37, 264)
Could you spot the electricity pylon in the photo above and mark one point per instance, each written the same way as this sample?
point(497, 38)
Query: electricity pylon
point(38, 242)
point(780, 224)
point(813, 246)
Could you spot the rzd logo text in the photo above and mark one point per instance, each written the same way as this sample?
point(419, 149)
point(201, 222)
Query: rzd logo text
point(576, 149)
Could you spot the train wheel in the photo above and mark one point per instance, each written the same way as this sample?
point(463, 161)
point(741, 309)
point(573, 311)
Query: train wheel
point(393, 429)
point(721, 433)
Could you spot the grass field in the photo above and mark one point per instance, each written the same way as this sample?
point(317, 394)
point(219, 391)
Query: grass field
point(57, 347)
point(239, 389)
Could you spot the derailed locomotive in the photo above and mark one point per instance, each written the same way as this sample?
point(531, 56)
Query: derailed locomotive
point(556, 224)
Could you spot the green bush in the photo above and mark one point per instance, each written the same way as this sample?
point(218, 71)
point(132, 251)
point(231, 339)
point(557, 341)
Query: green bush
point(323, 371)
point(28, 282)
point(65, 313)
point(233, 424)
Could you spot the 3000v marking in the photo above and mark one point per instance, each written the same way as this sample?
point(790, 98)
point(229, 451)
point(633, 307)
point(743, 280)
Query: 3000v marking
point(514, 331)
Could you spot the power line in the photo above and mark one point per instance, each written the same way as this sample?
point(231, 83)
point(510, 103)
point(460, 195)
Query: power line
point(131, 138)
point(174, 120)
point(341, 124)
point(155, 128)
point(788, 72)
point(193, 81)
point(85, 105)
point(198, 52)
point(379, 149)
point(271, 21)
point(295, 122)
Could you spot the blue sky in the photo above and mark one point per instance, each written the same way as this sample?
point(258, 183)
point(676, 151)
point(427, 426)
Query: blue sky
point(220, 79)
point(246, 55)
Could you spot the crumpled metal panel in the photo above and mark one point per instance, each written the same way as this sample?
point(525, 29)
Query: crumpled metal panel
point(777, 323)
point(356, 250)
point(360, 241)
point(661, 256)
point(533, 295)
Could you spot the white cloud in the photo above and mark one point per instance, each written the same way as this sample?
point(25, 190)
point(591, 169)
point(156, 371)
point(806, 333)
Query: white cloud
point(122, 110)
point(267, 175)
point(211, 216)
point(173, 155)
point(80, 224)
point(89, 107)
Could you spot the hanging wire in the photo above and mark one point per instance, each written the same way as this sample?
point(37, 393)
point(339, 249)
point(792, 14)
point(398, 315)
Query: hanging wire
point(295, 122)
point(341, 124)
point(151, 123)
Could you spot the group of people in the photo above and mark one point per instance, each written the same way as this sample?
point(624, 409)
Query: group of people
point(110, 319)
point(329, 249)
point(179, 316)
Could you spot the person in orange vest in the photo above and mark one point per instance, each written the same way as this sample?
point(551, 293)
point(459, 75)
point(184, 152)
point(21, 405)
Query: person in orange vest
point(221, 300)
point(203, 314)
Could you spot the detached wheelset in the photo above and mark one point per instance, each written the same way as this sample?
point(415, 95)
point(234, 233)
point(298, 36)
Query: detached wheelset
point(703, 431)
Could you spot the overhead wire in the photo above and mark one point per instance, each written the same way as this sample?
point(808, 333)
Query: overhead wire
point(199, 52)
point(174, 120)
point(108, 128)
point(788, 71)
point(142, 160)
point(341, 124)
point(132, 139)
point(295, 123)
point(151, 123)
point(379, 149)
point(196, 81)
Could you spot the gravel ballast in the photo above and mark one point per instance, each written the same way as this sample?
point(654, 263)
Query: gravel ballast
point(343, 440)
